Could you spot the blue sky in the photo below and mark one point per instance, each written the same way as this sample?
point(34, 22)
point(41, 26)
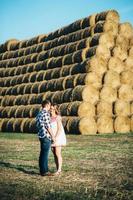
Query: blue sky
point(24, 19)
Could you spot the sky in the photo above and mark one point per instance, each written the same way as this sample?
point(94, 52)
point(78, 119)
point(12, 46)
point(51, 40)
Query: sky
point(24, 19)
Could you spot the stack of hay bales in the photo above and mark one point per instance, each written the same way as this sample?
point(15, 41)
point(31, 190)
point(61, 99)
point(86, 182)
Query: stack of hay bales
point(85, 67)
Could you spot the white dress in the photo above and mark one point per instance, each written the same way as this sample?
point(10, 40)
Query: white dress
point(56, 125)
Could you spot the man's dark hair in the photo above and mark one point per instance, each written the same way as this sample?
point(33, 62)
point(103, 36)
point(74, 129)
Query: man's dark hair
point(45, 102)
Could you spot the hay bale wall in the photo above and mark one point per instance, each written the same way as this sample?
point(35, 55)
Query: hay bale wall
point(85, 67)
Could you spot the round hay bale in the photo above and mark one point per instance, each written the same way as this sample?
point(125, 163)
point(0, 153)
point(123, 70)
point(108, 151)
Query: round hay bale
point(67, 95)
point(88, 21)
point(68, 82)
point(3, 125)
point(25, 126)
point(122, 41)
point(32, 126)
point(105, 124)
point(67, 59)
point(85, 33)
point(116, 64)
point(32, 77)
point(35, 88)
point(42, 38)
point(106, 26)
point(11, 44)
point(65, 70)
point(126, 30)
point(57, 97)
point(131, 51)
point(107, 15)
point(21, 99)
point(87, 126)
point(100, 50)
point(34, 110)
point(122, 124)
point(127, 77)
point(32, 99)
point(119, 52)
point(72, 109)
point(82, 44)
point(78, 56)
point(86, 109)
point(105, 38)
point(8, 100)
point(17, 125)
point(122, 108)
point(96, 64)
point(108, 94)
point(125, 92)
point(20, 89)
point(9, 125)
point(64, 109)
point(19, 112)
point(104, 108)
point(40, 75)
point(73, 125)
point(93, 79)
point(4, 112)
point(58, 84)
point(42, 56)
point(70, 48)
point(79, 79)
point(26, 78)
point(26, 111)
point(112, 79)
point(27, 88)
point(129, 63)
point(55, 73)
point(42, 87)
point(12, 111)
point(27, 51)
point(32, 41)
point(86, 93)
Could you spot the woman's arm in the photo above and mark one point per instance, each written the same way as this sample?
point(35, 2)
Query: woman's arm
point(59, 126)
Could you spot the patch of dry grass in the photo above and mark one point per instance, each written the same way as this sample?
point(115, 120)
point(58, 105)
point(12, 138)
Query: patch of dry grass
point(95, 167)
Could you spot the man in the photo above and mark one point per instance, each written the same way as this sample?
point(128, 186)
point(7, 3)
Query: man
point(45, 136)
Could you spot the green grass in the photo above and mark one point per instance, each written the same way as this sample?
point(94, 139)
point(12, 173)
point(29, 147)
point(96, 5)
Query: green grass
point(95, 167)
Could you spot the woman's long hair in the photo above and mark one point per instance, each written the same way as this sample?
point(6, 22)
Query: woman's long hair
point(57, 110)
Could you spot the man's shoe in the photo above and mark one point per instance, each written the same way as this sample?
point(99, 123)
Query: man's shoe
point(46, 174)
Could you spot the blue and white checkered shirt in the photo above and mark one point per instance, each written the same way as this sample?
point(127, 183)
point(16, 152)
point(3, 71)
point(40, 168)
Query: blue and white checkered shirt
point(43, 122)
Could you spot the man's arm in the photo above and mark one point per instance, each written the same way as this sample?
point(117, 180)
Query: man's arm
point(48, 126)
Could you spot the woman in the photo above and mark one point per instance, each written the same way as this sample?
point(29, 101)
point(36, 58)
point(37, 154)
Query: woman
point(60, 138)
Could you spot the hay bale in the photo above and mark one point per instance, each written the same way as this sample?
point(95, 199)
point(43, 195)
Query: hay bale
point(107, 15)
point(55, 73)
point(86, 109)
point(72, 109)
point(129, 63)
point(119, 52)
point(126, 77)
point(125, 92)
point(79, 79)
point(106, 26)
point(96, 64)
point(73, 125)
point(27, 51)
point(20, 89)
point(105, 38)
point(104, 108)
point(131, 108)
point(32, 77)
point(112, 79)
point(122, 124)
point(4, 112)
point(40, 75)
point(32, 99)
point(68, 82)
point(126, 30)
point(88, 21)
point(100, 50)
point(17, 125)
point(85, 33)
point(65, 70)
point(34, 110)
point(122, 108)
point(43, 86)
point(66, 95)
point(105, 124)
point(21, 99)
point(87, 126)
point(67, 59)
point(64, 109)
point(86, 93)
point(93, 79)
point(131, 51)
point(57, 84)
point(27, 88)
point(82, 44)
point(42, 56)
point(116, 64)
point(108, 94)
point(122, 41)
point(12, 110)
point(9, 125)
point(70, 48)
point(35, 88)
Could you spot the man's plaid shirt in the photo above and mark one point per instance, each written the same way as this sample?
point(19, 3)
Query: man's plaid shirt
point(43, 122)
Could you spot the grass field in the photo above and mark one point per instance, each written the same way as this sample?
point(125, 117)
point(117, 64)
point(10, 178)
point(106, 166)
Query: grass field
point(95, 167)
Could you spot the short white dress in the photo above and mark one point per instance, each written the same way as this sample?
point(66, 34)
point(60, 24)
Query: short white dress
point(61, 137)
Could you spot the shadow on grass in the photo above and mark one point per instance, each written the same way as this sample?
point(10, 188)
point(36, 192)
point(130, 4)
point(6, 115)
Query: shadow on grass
point(18, 167)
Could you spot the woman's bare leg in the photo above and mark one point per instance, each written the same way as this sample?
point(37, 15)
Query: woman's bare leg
point(55, 157)
point(59, 157)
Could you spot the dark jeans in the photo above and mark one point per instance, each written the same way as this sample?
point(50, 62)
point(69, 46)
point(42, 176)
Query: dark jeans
point(45, 145)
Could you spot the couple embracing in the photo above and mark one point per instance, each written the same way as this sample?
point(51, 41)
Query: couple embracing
point(51, 135)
